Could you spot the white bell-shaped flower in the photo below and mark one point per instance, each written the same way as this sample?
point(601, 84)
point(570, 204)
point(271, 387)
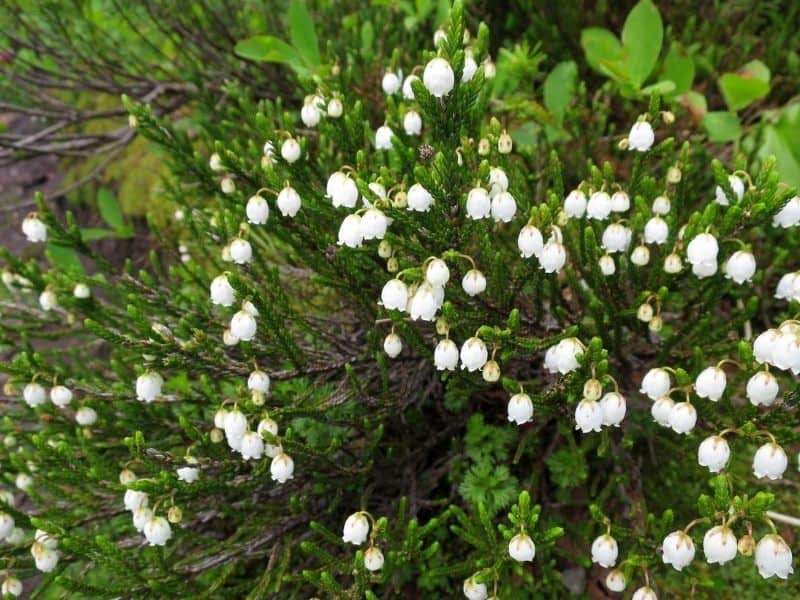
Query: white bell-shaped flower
point(48, 300)
point(251, 446)
point(741, 266)
point(713, 453)
point(342, 190)
point(34, 229)
point(620, 201)
point(241, 251)
point(640, 256)
point(575, 204)
point(588, 416)
point(373, 224)
point(11, 586)
point(553, 256)
point(498, 180)
point(520, 409)
point(288, 202)
point(34, 394)
point(789, 215)
point(474, 354)
point(383, 138)
point(391, 83)
point(599, 206)
point(222, 292)
point(719, 545)
point(141, 516)
point(661, 205)
point(704, 269)
point(605, 551)
point(356, 529)
point(737, 186)
point(504, 207)
point(412, 123)
point(770, 461)
point(418, 198)
point(641, 136)
point(373, 559)
point(290, 150)
point(282, 467)
point(521, 548)
point(677, 550)
point(530, 241)
point(470, 66)
point(85, 416)
point(134, 499)
point(408, 91)
point(762, 389)
point(683, 417)
point(788, 287)
point(258, 381)
point(661, 411)
point(616, 238)
point(45, 559)
point(615, 581)
point(60, 395)
point(243, 325)
point(157, 531)
point(656, 231)
point(645, 592)
point(473, 282)
point(188, 474)
point(655, 383)
point(394, 295)
point(773, 557)
point(148, 386)
point(310, 115)
point(438, 77)
point(702, 249)
point(710, 383)
point(474, 590)
point(479, 205)
point(350, 233)
point(423, 304)
point(6, 525)
point(445, 355)
point(437, 273)
point(614, 407)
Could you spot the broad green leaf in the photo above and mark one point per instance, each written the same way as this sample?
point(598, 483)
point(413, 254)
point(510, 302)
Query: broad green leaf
point(302, 32)
point(696, 103)
point(63, 258)
point(662, 88)
point(90, 234)
point(642, 36)
point(266, 48)
point(367, 39)
point(782, 140)
point(678, 68)
point(109, 209)
point(722, 126)
point(604, 53)
point(756, 69)
point(559, 88)
point(740, 91)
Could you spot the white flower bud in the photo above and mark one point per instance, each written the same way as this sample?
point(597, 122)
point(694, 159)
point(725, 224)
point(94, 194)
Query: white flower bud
point(34, 228)
point(34, 395)
point(419, 199)
point(392, 345)
point(521, 548)
point(470, 66)
point(710, 383)
point(188, 474)
point(373, 559)
point(222, 293)
point(474, 590)
point(640, 256)
point(85, 416)
point(641, 136)
point(48, 300)
point(713, 453)
point(773, 557)
point(134, 499)
point(335, 108)
point(252, 445)
point(644, 593)
point(6, 525)
point(408, 91)
point(615, 581)
point(241, 251)
point(227, 185)
point(770, 461)
point(607, 265)
point(257, 210)
point(258, 381)
point(661, 205)
point(491, 371)
point(719, 545)
point(82, 291)
point(45, 559)
point(310, 115)
point(673, 264)
point(445, 356)
point(290, 150)
point(438, 77)
point(215, 163)
point(60, 395)
point(148, 386)
point(11, 586)
point(740, 266)
point(498, 180)
point(350, 233)
point(391, 83)
point(356, 529)
point(504, 143)
point(140, 517)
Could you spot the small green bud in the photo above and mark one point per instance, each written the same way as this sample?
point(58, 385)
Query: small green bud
point(216, 436)
point(384, 249)
point(442, 326)
point(674, 175)
point(592, 389)
point(484, 147)
point(174, 514)
point(491, 371)
point(656, 323)
point(392, 265)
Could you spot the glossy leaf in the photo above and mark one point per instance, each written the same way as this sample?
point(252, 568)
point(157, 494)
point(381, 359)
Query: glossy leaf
point(642, 36)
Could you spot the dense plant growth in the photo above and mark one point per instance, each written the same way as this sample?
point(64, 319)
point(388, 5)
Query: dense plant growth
point(420, 322)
